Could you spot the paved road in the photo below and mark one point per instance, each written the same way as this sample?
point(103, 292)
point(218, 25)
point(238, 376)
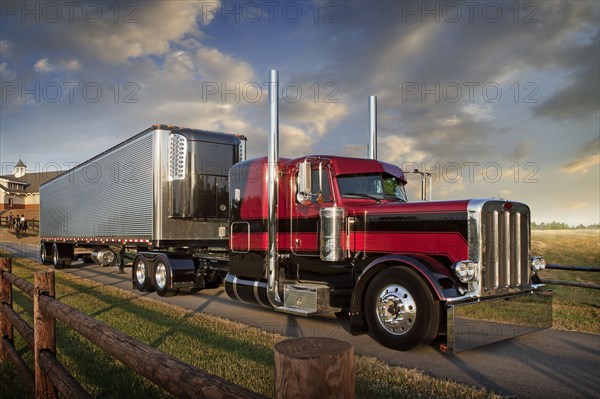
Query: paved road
point(546, 364)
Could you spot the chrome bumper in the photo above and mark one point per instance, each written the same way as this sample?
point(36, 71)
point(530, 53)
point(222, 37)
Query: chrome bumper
point(474, 324)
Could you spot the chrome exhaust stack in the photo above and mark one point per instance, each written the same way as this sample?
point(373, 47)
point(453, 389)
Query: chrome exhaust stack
point(272, 265)
point(372, 127)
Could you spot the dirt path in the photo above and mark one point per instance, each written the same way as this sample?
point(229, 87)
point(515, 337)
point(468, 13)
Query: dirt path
point(9, 236)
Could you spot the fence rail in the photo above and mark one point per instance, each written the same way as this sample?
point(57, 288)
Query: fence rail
point(573, 268)
point(32, 224)
point(50, 377)
point(554, 266)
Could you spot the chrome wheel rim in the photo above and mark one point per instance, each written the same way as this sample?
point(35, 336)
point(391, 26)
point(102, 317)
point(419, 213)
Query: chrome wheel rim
point(396, 309)
point(140, 272)
point(43, 253)
point(55, 255)
point(161, 275)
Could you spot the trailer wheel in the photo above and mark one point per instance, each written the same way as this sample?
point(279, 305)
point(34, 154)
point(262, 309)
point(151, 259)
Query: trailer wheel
point(400, 309)
point(140, 274)
point(162, 279)
point(44, 258)
point(56, 260)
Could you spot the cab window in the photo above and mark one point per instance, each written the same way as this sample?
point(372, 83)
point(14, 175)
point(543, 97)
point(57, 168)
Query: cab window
point(314, 189)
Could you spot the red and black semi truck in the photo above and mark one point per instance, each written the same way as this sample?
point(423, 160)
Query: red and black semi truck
point(306, 236)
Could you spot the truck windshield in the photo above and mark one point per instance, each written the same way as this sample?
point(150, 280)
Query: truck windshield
point(375, 186)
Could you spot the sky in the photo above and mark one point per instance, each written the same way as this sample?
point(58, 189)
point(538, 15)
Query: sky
point(494, 98)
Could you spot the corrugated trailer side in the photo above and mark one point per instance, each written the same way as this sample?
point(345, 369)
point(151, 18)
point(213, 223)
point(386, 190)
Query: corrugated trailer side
point(109, 196)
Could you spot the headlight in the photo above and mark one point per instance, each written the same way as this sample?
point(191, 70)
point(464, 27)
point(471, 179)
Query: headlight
point(537, 263)
point(466, 270)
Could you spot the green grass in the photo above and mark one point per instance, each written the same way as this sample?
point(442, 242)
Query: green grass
point(576, 309)
point(236, 352)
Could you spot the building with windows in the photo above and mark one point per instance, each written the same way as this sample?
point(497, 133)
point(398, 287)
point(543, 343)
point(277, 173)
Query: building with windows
point(21, 190)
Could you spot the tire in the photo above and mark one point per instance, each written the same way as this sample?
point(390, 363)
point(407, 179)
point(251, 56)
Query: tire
point(140, 274)
point(400, 309)
point(44, 259)
point(162, 279)
point(56, 260)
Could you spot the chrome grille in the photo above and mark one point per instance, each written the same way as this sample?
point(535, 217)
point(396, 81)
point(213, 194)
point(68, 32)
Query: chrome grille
point(504, 248)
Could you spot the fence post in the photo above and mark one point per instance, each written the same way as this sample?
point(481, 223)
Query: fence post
point(44, 333)
point(6, 328)
point(314, 368)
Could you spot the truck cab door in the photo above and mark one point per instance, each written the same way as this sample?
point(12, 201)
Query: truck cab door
point(304, 234)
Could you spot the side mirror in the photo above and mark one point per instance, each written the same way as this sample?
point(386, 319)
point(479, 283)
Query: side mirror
point(304, 178)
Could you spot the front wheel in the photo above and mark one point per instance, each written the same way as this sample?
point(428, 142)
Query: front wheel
point(400, 309)
point(163, 279)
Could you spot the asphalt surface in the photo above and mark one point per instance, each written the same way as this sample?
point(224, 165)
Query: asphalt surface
point(546, 364)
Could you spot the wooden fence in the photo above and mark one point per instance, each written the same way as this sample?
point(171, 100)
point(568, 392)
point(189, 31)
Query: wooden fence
point(49, 377)
point(32, 224)
point(572, 268)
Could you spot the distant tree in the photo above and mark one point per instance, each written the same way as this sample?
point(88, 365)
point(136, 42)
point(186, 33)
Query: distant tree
point(562, 226)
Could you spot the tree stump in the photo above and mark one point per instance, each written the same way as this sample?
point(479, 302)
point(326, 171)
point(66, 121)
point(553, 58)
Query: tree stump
point(307, 368)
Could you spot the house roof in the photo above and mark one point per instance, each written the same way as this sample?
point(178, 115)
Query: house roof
point(32, 181)
point(12, 190)
point(20, 164)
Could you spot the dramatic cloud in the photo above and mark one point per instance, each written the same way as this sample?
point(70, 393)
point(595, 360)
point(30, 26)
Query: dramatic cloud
point(317, 117)
point(578, 98)
point(113, 32)
point(442, 79)
point(294, 141)
point(588, 156)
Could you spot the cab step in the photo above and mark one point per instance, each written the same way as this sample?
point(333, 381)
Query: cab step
point(306, 299)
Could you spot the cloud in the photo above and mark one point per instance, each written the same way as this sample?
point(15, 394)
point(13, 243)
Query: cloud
point(522, 150)
point(223, 69)
point(43, 65)
point(5, 47)
point(588, 156)
point(413, 50)
point(580, 94)
point(294, 141)
point(315, 116)
point(117, 33)
point(479, 113)
point(577, 205)
point(399, 150)
point(6, 73)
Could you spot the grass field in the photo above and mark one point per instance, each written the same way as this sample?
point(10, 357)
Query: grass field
point(576, 309)
point(234, 351)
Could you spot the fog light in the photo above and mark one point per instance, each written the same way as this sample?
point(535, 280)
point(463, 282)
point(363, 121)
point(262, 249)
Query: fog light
point(537, 263)
point(466, 270)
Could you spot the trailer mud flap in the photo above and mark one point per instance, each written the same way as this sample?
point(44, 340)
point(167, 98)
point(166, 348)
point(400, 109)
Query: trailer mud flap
point(475, 324)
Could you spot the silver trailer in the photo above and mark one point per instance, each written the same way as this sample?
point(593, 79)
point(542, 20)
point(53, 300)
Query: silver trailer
point(165, 187)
